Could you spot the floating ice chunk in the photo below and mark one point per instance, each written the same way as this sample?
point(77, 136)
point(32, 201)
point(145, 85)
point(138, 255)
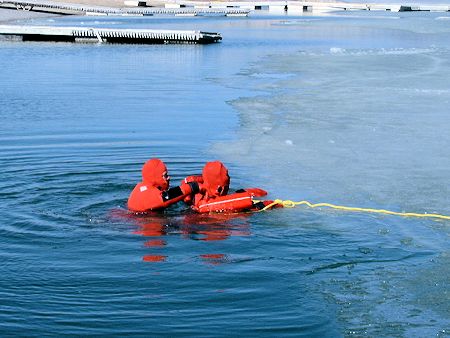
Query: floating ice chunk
point(289, 142)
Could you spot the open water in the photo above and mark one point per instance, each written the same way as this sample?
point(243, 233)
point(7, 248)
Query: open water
point(350, 109)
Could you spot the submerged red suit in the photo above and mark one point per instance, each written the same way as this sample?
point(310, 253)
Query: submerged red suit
point(153, 192)
point(213, 196)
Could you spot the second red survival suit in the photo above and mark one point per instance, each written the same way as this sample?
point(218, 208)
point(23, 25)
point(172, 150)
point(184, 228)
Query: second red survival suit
point(153, 192)
point(213, 197)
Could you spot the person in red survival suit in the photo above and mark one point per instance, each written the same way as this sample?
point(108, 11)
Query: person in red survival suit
point(213, 195)
point(153, 193)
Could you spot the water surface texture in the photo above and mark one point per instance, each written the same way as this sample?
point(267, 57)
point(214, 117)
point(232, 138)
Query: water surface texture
point(349, 109)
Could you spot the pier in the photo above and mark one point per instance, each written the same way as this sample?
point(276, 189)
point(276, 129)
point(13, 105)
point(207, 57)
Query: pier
point(72, 8)
point(107, 35)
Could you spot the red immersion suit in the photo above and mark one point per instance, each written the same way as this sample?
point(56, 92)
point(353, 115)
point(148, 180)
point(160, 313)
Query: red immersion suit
point(214, 184)
point(153, 192)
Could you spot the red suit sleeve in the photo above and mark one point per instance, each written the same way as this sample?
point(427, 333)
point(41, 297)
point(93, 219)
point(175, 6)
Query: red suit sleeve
point(147, 198)
point(189, 199)
point(193, 178)
point(229, 203)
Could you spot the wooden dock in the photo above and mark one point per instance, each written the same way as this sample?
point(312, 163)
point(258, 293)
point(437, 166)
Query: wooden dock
point(72, 8)
point(107, 35)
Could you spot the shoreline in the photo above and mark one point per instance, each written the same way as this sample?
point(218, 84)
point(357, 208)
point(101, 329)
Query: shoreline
point(11, 14)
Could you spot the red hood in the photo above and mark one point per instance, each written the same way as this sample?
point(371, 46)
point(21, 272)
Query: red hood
point(216, 179)
point(152, 174)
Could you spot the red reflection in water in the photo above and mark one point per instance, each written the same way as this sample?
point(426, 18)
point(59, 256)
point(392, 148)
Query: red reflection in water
point(215, 219)
point(199, 227)
point(155, 243)
point(153, 229)
point(154, 258)
point(213, 256)
point(216, 227)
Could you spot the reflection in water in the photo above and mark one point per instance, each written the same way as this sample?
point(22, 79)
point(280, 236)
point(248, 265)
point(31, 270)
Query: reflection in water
point(154, 258)
point(155, 243)
point(214, 259)
point(152, 229)
point(198, 227)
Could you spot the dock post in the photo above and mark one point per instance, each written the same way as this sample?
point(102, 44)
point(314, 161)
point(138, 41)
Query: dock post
point(99, 38)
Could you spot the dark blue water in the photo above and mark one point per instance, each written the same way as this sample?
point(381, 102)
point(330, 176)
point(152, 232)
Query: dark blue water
point(344, 109)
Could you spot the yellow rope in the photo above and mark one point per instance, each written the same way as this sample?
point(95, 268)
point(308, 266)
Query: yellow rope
point(292, 204)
